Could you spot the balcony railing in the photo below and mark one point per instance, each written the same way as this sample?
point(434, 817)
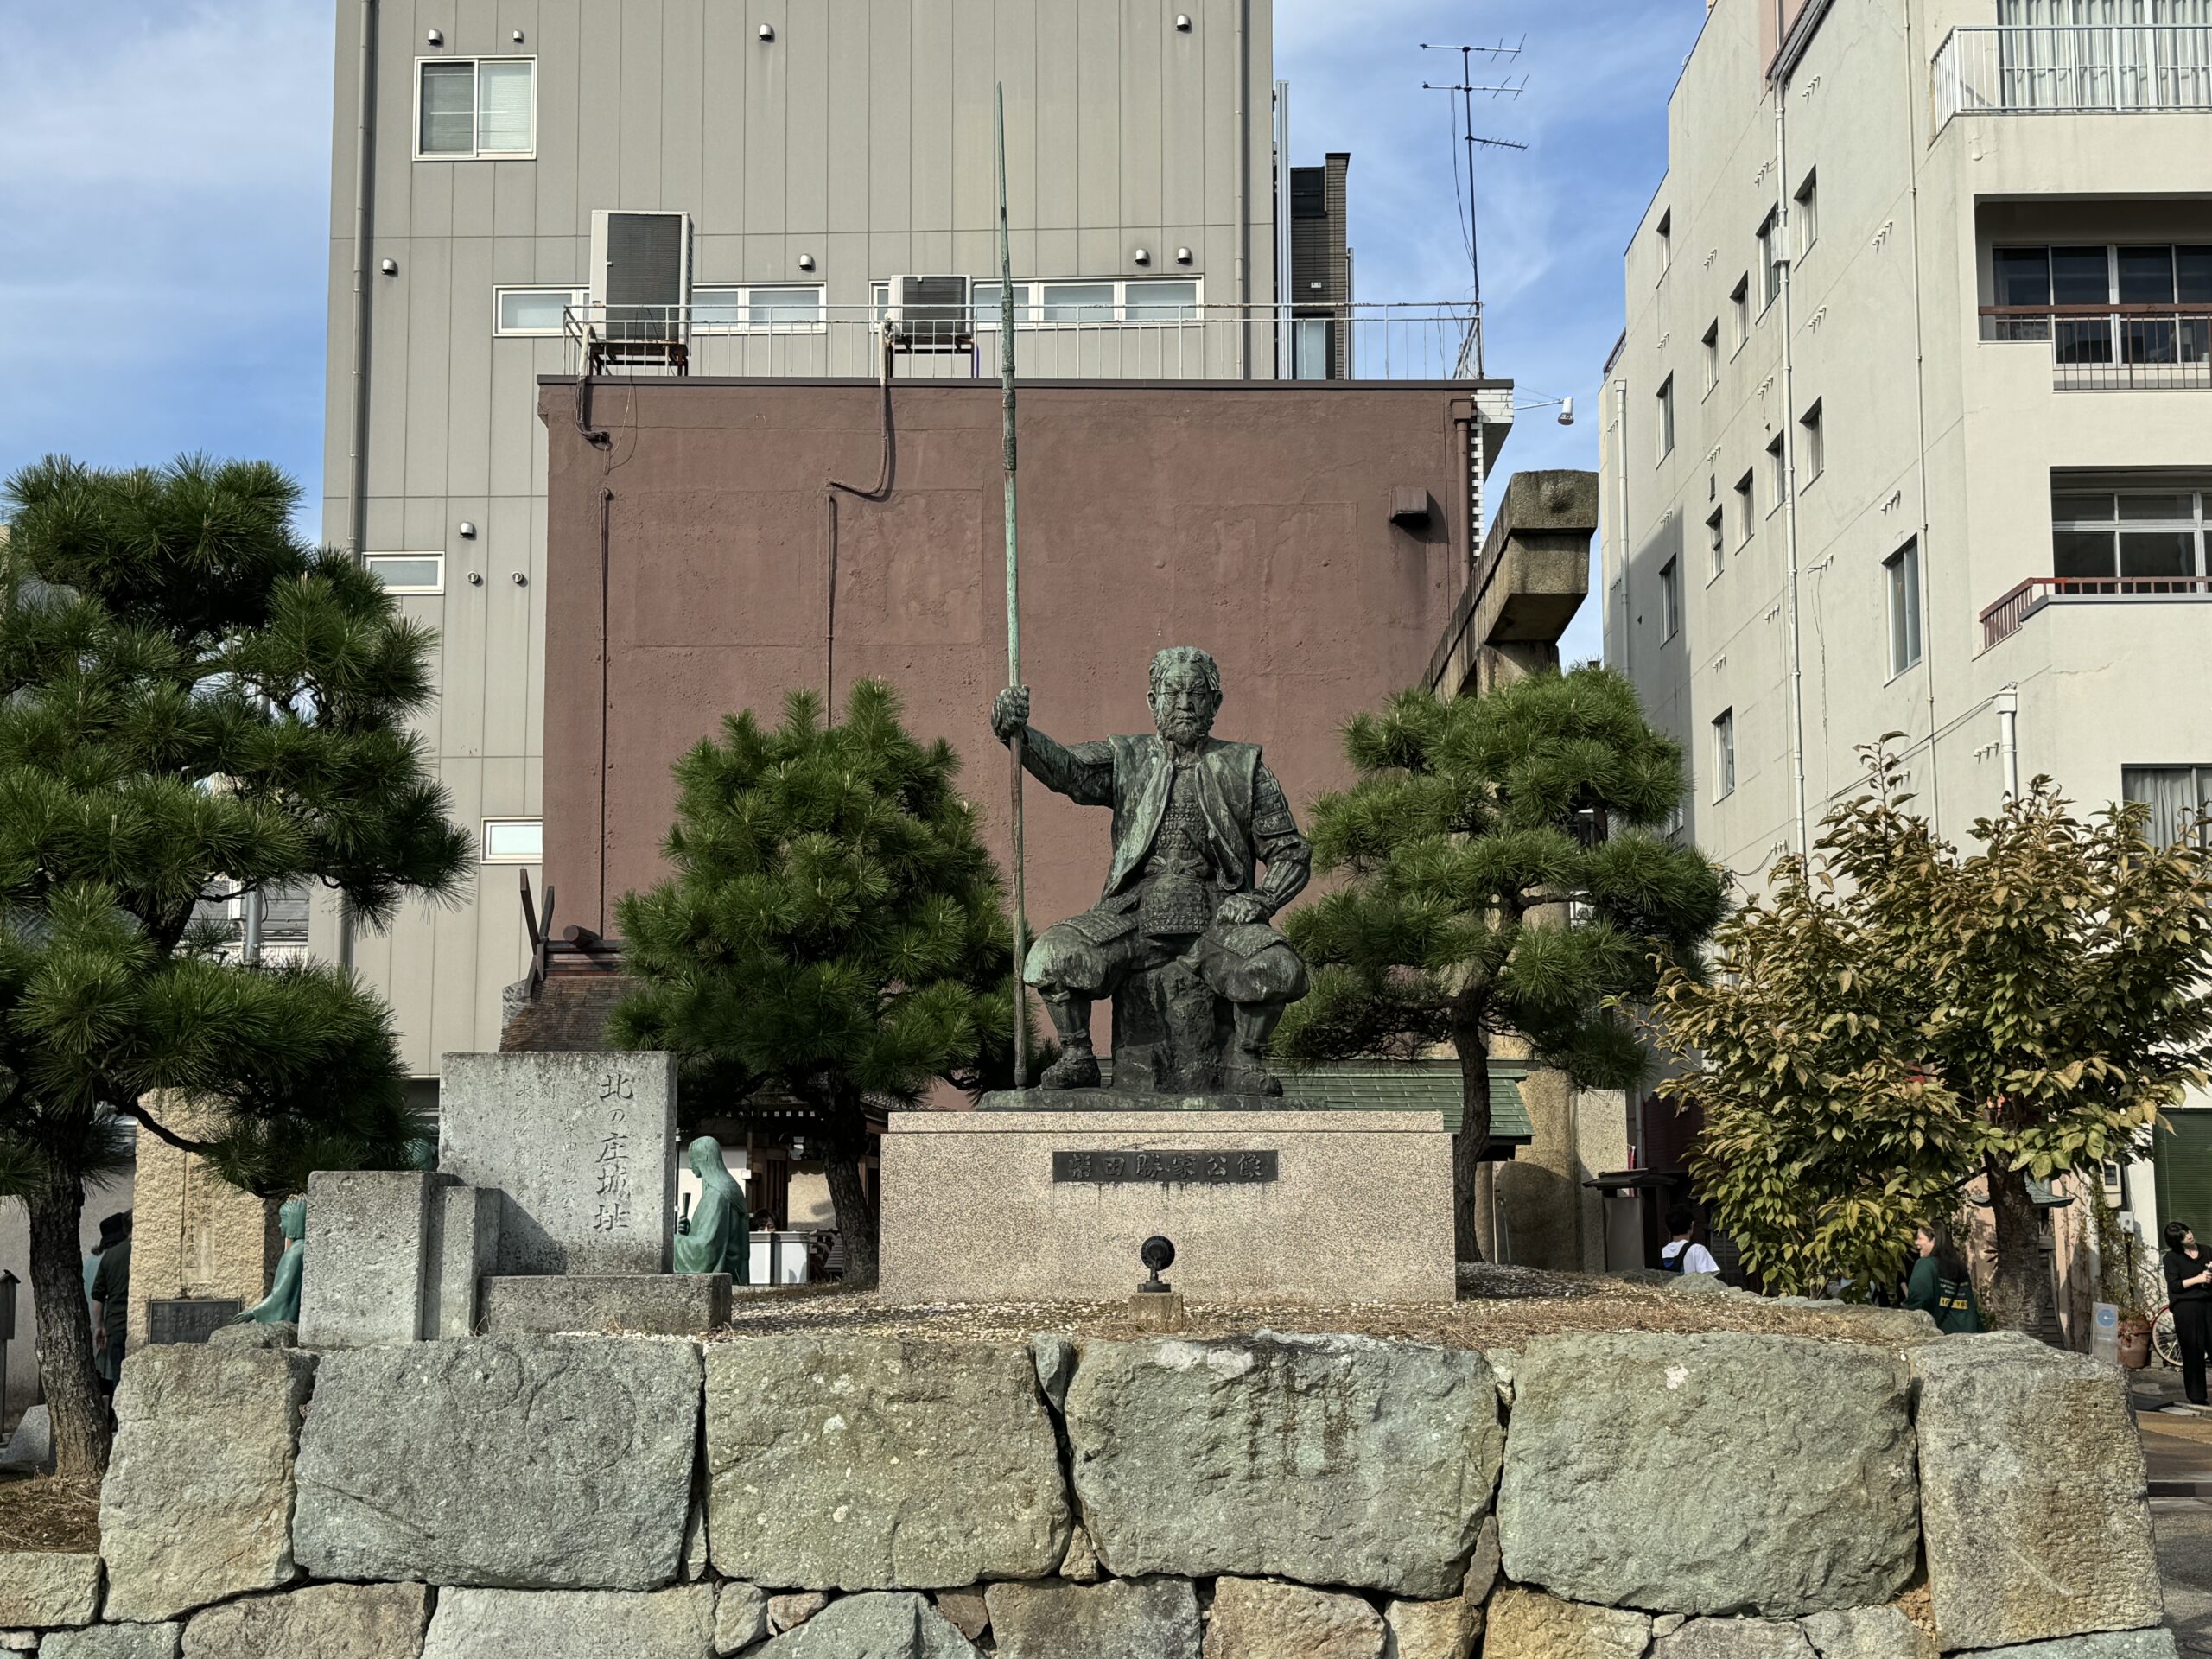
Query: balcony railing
point(2114, 347)
point(2003, 619)
point(2120, 68)
point(1177, 342)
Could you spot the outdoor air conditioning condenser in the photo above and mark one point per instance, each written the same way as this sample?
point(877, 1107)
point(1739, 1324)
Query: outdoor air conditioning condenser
point(930, 314)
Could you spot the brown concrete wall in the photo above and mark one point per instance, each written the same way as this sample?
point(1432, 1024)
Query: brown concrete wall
point(1252, 520)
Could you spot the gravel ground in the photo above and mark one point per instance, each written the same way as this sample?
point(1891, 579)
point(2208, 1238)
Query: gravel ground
point(1499, 1307)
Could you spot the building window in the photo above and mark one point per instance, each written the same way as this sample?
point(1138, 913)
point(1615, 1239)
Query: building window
point(2038, 279)
point(1664, 237)
point(514, 840)
point(2137, 534)
point(1713, 354)
point(2178, 796)
point(1667, 417)
point(1816, 451)
point(1164, 299)
point(1716, 544)
point(1670, 600)
point(1769, 260)
point(408, 573)
point(1739, 307)
point(1778, 474)
point(1744, 507)
point(780, 310)
point(534, 310)
point(1724, 755)
point(1309, 348)
point(1901, 576)
point(469, 109)
point(1807, 214)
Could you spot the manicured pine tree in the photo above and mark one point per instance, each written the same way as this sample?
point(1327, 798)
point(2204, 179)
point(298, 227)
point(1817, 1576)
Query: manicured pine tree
point(835, 933)
point(1503, 869)
point(193, 701)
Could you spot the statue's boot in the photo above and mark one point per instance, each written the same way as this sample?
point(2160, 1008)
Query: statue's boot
point(1254, 1025)
point(1077, 1067)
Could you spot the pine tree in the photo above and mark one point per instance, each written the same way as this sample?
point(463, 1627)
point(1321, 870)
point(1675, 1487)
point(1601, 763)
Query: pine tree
point(1501, 874)
point(192, 702)
point(1898, 1018)
point(835, 933)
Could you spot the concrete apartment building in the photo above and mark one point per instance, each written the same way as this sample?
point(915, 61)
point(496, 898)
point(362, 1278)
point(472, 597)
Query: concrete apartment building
point(1910, 429)
point(759, 170)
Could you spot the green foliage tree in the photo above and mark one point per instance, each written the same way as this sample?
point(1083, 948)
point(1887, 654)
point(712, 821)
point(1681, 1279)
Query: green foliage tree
point(1502, 872)
point(835, 931)
point(193, 702)
point(1898, 1019)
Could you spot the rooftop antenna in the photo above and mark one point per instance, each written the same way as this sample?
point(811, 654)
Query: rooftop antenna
point(1463, 92)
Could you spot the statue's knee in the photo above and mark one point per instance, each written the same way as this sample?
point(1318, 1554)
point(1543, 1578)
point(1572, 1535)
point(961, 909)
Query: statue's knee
point(1274, 975)
point(1064, 961)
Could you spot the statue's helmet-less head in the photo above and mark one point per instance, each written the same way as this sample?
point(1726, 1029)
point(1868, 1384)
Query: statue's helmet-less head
point(1185, 693)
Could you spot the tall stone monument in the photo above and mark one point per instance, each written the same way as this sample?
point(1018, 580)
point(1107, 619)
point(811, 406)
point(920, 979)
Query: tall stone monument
point(1050, 1191)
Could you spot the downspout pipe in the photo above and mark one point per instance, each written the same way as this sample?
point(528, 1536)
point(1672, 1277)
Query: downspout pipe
point(1620, 522)
point(1783, 229)
point(2008, 738)
point(1243, 208)
point(357, 460)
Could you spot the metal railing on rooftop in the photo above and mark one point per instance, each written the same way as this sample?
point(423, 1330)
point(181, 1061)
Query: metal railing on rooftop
point(2003, 619)
point(2051, 70)
point(1130, 342)
point(2116, 347)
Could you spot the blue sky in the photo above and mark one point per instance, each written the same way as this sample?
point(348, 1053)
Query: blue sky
point(165, 205)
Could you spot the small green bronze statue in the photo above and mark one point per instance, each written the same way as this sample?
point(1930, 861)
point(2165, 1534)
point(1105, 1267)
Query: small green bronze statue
point(281, 1304)
point(717, 1235)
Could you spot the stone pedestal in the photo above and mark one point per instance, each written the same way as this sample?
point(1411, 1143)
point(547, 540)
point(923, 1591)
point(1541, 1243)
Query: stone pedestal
point(583, 1145)
point(193, 1235)
point(640, 1304)
point(368, 1245)
point(1262, 1205)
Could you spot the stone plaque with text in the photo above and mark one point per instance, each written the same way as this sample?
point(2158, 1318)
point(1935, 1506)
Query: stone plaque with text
point(1209, 1168)
point(190, 1319)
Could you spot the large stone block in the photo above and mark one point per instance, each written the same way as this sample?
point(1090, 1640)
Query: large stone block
point(1734, 1639)
point(197, 1503)
point(42, 1589)
point(368, 1247)
point(323, 1621)
point(1259, 1619)
point(966, 1195)
point(1718, 1473)
point(676, 1624)
point(2033, 1494)
point(583, 1145)
point(115, 1642)
point(1124, 1618)
point(464, 1248)
point(1432, 1629)
point(876, 1626)
point(2107, 1645)
point(1327, 1459)
point(869, 1463)
point(1529, 1624)
point(648, 1303)
point(1882, 1632)
point(520, 1462)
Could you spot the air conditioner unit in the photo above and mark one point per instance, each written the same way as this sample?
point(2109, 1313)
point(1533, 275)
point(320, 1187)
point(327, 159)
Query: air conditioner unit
point(930, 314)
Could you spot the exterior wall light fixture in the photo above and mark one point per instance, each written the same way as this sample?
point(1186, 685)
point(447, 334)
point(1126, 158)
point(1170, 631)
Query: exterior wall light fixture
point(436, 37)
point(467, 531)
point(767, 32)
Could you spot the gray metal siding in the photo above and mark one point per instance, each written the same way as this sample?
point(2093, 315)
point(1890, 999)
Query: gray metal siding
point(864, 136)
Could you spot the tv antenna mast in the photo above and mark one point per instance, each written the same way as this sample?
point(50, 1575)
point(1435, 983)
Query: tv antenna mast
point(1462, 93)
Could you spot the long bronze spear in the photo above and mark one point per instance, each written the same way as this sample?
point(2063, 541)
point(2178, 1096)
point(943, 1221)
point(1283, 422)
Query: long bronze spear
point(1012, 605)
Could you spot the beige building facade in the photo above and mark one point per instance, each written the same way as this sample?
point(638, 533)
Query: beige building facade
point(1910, 427)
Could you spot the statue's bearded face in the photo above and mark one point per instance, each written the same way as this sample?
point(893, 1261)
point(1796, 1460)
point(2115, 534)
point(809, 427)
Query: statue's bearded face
point(1183, 706)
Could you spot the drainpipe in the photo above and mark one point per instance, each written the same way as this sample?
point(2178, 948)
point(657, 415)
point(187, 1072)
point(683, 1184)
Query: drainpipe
point(357, 476)
point(1782, 230)
point(2008, 738)
point(1243, 167)
point(1620, 522)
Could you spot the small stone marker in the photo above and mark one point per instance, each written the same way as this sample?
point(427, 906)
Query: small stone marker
point(583, 1145)
point(368, 1242)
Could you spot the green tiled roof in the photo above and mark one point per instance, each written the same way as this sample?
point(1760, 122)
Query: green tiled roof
point(1413, 1085)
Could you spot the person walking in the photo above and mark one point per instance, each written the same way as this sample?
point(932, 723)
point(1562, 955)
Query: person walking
point(111, 1293)
point(1678, 1255)
point(2189, 1297)
point(1940, 1287)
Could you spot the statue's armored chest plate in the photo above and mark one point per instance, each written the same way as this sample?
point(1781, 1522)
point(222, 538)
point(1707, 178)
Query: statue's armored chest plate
point(1177, 889)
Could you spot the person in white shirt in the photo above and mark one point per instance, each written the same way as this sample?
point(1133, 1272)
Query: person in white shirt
point(1679, 1255)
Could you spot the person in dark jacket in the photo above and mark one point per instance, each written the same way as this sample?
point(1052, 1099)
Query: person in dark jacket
point(2189, 1297)
point(1940, 1287)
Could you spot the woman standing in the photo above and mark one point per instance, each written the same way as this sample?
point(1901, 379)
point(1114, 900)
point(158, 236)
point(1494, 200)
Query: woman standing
point(2188, 1295)
point(1940, 1287)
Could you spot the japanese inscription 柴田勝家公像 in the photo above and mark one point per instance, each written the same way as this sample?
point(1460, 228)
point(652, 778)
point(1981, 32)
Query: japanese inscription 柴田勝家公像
point(611, 1171)
point(1165, 1168)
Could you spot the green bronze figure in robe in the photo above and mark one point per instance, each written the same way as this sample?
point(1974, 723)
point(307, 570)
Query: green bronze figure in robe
point(718, 1236)
point(281, 1304)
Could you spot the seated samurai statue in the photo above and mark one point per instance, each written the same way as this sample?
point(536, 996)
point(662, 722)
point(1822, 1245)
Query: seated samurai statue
point(1180, 938)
